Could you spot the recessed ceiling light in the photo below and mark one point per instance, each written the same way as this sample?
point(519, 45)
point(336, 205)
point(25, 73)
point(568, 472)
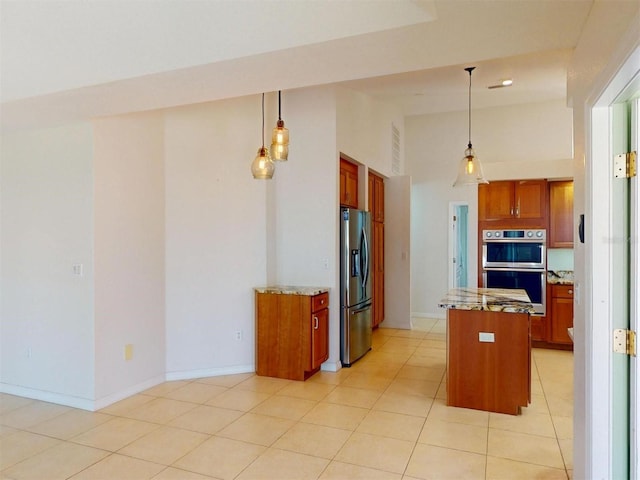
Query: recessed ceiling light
point(503, 83)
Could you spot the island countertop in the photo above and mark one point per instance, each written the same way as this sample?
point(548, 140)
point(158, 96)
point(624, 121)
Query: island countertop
point(292, 290)
point(491, 299)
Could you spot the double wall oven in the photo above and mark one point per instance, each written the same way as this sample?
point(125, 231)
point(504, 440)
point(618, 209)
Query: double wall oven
point(516, 259)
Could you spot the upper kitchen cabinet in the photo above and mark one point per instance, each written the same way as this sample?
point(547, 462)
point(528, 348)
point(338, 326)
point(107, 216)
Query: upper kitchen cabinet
point(513, 203)
point(348, 184)
point(561, 214)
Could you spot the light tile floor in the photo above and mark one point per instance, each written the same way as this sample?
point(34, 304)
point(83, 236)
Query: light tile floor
point(384, 418)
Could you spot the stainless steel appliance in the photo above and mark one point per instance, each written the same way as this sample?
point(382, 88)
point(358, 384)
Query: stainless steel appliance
point(516, 259)
point(355, 285)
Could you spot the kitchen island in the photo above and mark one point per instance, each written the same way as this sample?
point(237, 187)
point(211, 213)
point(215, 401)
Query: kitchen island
point(488, 349)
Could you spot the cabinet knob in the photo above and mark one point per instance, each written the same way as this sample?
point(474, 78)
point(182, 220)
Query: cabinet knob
point(570, 292)
point(315, 326)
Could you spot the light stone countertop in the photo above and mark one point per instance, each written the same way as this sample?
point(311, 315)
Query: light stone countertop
point(291, 290)
point(560, 277)
point(491, 299)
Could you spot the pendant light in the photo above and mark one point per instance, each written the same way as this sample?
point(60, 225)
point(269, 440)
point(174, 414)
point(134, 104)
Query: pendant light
point(470, 170)
point(280, 137)
point(263, 167)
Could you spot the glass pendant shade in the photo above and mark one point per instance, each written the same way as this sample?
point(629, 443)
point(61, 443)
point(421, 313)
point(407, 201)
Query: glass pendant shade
point(280, 142)
point(469, 170)
point(263, 167)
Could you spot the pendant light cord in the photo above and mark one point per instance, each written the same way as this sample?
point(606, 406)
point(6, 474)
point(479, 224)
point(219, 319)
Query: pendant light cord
point(262, 119)
point(279, 114)
point(470, 69)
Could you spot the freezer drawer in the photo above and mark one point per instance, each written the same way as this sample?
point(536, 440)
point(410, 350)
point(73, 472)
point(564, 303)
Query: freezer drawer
point(355, 333)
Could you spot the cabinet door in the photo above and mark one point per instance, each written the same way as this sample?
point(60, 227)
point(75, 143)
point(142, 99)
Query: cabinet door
point(319, 337)
point(378, 198)
point(561, 214)
point(495, 201)
point(561, 313)
point(530, 199)
point(348, 184)
point(378, 274)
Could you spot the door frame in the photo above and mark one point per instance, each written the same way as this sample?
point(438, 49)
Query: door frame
point(597, 333)
point(453, 248)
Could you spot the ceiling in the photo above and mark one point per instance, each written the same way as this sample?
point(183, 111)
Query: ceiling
point(69, 60)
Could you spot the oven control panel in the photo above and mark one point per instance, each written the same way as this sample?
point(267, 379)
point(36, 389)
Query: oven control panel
point(515, 235)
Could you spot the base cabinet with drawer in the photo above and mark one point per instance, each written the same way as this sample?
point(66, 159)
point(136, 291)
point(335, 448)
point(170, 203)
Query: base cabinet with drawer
point(561, 314)
point(292, 332)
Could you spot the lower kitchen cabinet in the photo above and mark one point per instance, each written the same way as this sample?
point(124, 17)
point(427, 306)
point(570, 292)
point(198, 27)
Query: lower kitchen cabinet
point(292, 333)
point(561, 314)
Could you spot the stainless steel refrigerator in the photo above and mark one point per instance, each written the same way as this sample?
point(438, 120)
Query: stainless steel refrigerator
point(355, 285)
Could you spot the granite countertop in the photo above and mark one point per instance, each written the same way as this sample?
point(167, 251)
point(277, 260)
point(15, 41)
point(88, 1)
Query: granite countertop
point(292, 290)
point(492, 299)
point(560, 277)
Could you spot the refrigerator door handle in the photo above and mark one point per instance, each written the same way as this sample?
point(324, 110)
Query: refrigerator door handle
point(365, 254)
point(363, 309)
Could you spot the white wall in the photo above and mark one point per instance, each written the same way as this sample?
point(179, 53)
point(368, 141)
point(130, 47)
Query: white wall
point(364, 130)
point(304, 202)
point(129, 254)
point(46, 316)
point(527, 141)
point(215, 236)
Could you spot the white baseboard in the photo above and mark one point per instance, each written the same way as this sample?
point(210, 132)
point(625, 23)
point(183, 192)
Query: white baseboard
point(209, 372)
point(45, 396)
point(331, 366)
point(127, 392)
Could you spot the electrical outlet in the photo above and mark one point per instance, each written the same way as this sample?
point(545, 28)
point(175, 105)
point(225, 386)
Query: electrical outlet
point(128, 351)
point(238, 335)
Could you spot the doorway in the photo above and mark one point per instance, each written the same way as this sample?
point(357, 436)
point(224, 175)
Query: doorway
point(610, 280)
point(458, 244)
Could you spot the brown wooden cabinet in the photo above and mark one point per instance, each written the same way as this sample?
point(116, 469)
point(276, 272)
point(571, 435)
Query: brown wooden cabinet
point(376, 197)
point(292, 334)
point(488, 360)
point(561, 314)
point(561, 214)
point(513, 203)
point(539, 328)
point(376, 207)
point(348, 184)
point(377, 313)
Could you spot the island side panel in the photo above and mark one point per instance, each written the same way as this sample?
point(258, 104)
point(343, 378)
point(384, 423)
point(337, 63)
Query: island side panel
point(281, 341)
point(491, 376)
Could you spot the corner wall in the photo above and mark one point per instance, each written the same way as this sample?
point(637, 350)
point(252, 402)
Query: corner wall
point(129, 254)
point(46, 311)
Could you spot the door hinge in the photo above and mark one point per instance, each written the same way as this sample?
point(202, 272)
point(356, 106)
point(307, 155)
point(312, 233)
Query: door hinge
point(624, 341)
point(624, 165)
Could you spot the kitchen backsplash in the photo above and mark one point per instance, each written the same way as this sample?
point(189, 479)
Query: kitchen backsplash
point(560, 259)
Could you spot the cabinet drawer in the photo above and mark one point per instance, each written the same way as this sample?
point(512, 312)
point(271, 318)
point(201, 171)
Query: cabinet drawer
point(562, 291)
point(318, 302)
